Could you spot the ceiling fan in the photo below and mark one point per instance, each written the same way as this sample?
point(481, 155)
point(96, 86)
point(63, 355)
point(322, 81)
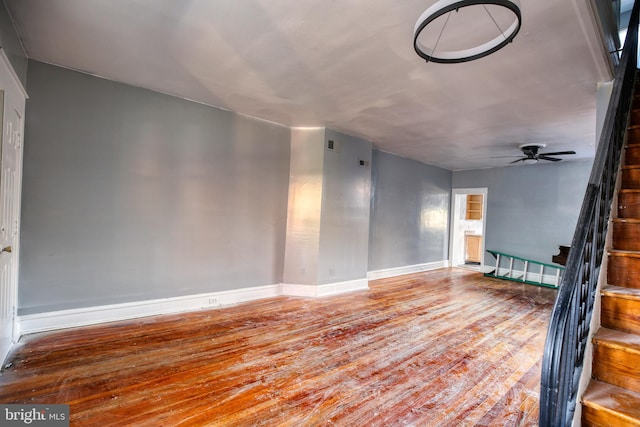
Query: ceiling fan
point(531, 154)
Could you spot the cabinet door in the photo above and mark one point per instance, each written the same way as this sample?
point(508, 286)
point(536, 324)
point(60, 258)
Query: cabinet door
point(473, 243)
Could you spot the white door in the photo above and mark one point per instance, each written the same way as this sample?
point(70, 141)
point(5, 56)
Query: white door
point(13, 102)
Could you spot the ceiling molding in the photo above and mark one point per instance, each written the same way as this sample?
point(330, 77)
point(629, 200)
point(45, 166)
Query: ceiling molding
point(595, 36)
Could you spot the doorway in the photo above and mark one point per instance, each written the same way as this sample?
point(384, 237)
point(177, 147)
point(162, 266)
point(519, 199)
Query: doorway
point(12, 107)
point(468, 220)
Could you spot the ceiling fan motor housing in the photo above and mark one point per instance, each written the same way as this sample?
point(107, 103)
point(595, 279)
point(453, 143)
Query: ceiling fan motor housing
point(531, 150)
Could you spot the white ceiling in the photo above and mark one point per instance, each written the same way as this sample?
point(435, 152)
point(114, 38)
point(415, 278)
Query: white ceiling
point(345, 64)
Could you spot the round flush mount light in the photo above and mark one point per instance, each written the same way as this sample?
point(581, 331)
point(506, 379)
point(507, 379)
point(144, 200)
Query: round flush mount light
point(453, 31)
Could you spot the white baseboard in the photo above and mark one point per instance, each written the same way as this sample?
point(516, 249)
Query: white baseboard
point(62, 319)
point(409, 269)
point(48, 321)
point(324, 290)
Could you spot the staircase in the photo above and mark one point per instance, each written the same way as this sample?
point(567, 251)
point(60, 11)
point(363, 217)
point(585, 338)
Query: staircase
point(612, 397)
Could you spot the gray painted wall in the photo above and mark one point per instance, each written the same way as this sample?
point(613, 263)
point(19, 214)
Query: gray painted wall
point(409, 213)
point(10, 42)
point(346, 195)
point(132, 195)
point(531, 209)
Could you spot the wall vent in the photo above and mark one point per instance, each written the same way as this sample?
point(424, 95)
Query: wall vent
point(330, 144)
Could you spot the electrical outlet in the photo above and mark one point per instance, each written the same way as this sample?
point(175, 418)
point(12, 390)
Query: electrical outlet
point(214, 301)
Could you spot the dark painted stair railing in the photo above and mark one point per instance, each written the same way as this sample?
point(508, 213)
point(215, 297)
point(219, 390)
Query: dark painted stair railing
point(569, 329)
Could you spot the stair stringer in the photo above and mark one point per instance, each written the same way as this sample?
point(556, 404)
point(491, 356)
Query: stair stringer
point(595, 324)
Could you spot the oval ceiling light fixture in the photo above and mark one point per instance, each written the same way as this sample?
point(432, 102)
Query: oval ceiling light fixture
point(454, 31)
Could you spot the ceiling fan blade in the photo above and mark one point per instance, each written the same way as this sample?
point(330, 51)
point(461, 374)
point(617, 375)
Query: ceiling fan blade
point(551, 159)
point(558, 153)
point(519, 160)
point(503, 157)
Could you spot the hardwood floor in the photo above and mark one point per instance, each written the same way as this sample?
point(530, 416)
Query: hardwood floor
point(443, 348)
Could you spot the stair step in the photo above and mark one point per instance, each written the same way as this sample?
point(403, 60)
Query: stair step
point(634, 117)
point(607, 405)
point(629, 203)
point(621, 292)
point(616, 358)
point(626, 234)
point(633, 135)
point(632, 154)
point(621, 309)
point(631, 177)
point(623, 268)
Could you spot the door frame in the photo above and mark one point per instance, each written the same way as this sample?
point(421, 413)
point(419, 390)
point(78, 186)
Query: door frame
point(15, 96)
point(453, 247)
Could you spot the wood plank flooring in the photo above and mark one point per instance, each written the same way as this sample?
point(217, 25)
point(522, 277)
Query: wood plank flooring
point(442, 348)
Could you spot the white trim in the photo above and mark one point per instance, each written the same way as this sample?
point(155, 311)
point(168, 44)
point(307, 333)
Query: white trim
point(72, 318)
point(14, 75)
point(408, 269)
point(40, 322)
point(14, 100)
point(452, 220)
point(324, 290)
point(589, 20)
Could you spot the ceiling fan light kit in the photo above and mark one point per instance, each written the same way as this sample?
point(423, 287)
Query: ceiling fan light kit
point(430, 53)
